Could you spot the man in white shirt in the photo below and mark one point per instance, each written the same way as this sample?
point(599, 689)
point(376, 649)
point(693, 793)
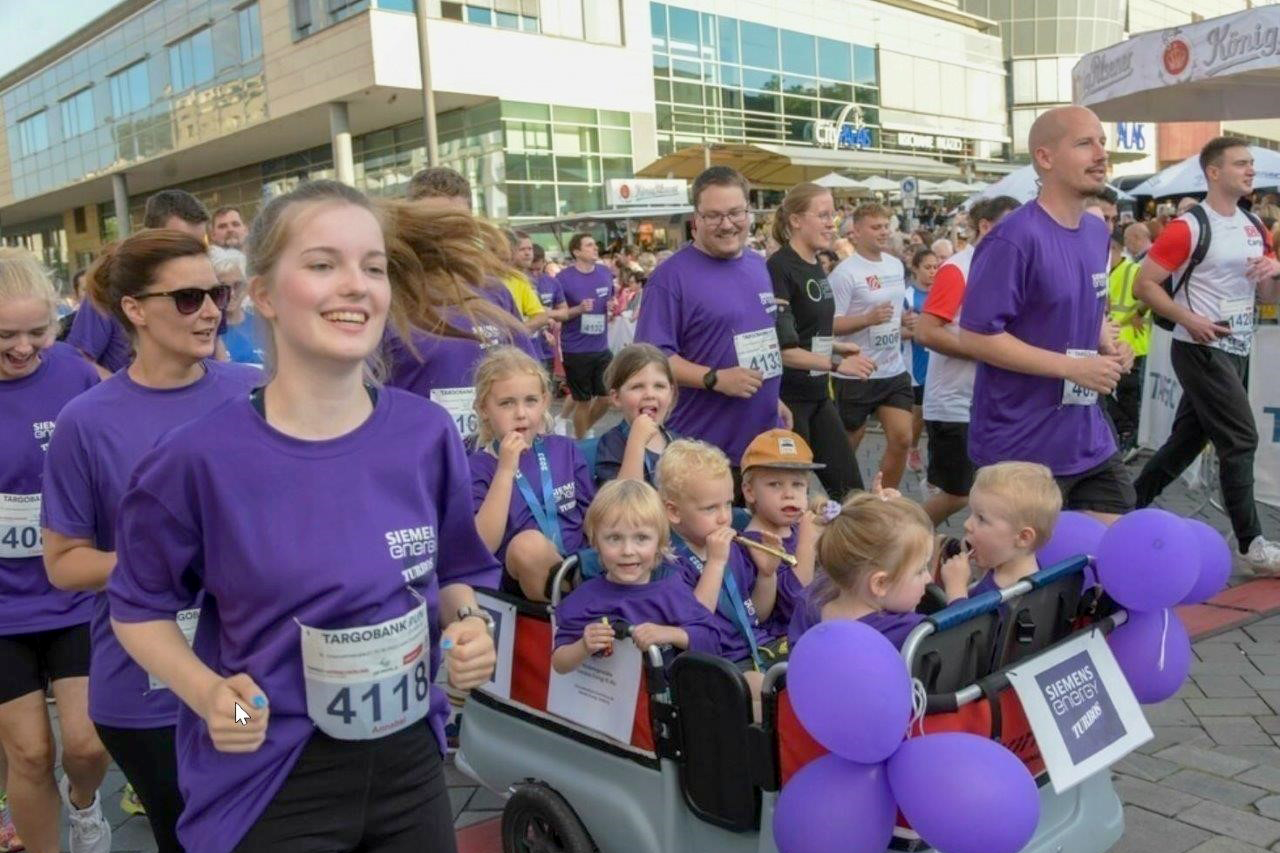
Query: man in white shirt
point(948, 387)
point(869, 288)
point(1213, 308)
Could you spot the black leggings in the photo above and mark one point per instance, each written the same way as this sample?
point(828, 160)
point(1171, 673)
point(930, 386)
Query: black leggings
point(818, 422)
point(148, 760)
point(373, 796)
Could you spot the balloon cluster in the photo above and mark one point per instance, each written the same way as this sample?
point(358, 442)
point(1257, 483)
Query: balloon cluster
point(851, 691)
point(1148, 561)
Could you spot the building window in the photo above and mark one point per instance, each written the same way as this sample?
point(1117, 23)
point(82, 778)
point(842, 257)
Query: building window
point(521, 15)
point(302, 16)
point(250, 33)
point(78, 219)
point(33, 133)
point(130, 89)
point(77, 113)
point(451, 11)
point(191, 61)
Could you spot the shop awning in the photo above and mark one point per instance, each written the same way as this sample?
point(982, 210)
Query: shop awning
point(781, 166)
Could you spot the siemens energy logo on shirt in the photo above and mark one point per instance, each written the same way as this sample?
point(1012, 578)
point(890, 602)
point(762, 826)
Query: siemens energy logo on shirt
point(414, 548)
point(42, 431)
point(769, 301)
point(565, 497)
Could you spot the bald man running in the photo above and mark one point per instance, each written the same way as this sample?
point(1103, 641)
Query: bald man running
point(1035, 319)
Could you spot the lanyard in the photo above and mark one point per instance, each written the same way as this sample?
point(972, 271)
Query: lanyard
point(649, 464)
point(544, 511)
point(730, 604)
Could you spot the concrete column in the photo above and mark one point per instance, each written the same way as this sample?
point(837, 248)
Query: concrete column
point(344, 165)
point(120, 195)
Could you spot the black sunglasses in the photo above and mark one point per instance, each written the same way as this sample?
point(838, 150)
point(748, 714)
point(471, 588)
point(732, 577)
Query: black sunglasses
point(189, 299)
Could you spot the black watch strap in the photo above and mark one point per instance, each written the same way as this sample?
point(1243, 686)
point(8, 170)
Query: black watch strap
point(710, 378)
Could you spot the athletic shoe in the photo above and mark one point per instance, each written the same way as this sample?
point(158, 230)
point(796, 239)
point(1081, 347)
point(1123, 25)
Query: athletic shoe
point(1263, 554)
point(915, 461)
point(90, 832)
point(9, 840)
point(129, 802)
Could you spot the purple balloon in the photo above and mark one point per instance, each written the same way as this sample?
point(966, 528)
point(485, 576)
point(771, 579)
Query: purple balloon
point(835, 806)
point(1073, 535)
point(1137, 645)
point(850, 689)
point(964, 793)
point(1215, 562)
point(1148, 560)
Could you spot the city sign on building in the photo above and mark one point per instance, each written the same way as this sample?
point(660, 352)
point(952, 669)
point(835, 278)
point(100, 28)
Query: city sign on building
point(847, 131)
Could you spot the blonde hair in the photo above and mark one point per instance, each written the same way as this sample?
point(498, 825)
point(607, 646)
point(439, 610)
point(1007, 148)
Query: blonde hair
point(686, 461)
point(503, 363)
point(797, 201)
point(1030, 491)
point(22, 277)
point(871, 534)
point(631, 501)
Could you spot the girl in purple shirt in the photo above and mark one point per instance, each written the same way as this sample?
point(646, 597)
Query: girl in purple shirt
point(642, 387)
point(627, 525)
point(161, 287)
point(875, 559)
point(44, 632)
point(531, 490)
point(311, 515)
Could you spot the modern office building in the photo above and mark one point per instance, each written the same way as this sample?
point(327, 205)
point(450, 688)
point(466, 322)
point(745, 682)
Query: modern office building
point(539, 101)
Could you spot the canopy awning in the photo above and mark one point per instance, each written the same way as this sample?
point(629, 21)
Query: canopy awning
point(781, 166)
point(1187, 177)
point(1221, 69)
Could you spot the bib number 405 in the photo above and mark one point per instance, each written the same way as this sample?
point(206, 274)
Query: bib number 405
point(341, 705)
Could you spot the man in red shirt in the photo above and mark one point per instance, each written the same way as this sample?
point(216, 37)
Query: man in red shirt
point(1214, 312)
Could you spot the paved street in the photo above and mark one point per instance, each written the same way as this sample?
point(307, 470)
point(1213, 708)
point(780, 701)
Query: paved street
point(1209, 782)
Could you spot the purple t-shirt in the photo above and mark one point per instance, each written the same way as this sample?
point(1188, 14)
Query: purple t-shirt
point(668, 601)
point(717, 313)
point(100, 438)
point(1046, 285)
point(550, 294)
point(572, 486)
point(275, 529)
point(497, 293)
point(790, 590)
point(733, 643)
point(580, 334)
point(28, 409)
point(894, 626)
point(100, 337)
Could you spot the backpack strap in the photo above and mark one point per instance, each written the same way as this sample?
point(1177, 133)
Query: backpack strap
point(1198, 253)
point(1262, 229)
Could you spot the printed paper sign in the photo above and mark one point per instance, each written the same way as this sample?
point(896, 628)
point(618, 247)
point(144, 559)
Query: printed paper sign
point(504, 642)
point(20, 526)
point(600, 694)
point(1081, 709)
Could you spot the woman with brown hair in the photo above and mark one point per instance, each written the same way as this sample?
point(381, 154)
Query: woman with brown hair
point(161, 287)
point(803, 225)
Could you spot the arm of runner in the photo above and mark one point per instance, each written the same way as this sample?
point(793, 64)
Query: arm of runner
point(730, 381)
point(469, 654)
point(1149, 289)
point(845, 324)
point(931, 333)
point(74, 564)
point(1099, 373)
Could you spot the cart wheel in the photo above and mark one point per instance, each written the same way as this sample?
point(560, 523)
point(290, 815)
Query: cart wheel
point(538, 820)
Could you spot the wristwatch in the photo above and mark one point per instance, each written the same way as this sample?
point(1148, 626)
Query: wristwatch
point(836, 358)
point(709, 379)
point(478, 612)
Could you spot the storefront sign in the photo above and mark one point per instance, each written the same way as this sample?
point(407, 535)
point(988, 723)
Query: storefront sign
point(847, 131)
point(933, 143)
point(1131, 136)
point(645, 192)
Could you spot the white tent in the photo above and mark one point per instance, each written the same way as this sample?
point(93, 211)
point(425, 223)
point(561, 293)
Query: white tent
point(1023, 185)
point(952, 187)
point(877, 184)
point(1186, 177)
point(1223, 68)
point(837, 181)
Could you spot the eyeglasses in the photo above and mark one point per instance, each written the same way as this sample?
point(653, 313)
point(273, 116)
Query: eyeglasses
point(737, 217)
point(189, 299)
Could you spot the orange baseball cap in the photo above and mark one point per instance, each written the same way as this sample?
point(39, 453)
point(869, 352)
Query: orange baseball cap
point(779, 448)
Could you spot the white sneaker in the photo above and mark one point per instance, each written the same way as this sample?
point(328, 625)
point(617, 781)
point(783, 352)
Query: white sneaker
point(1263, 554)
point(90, 832)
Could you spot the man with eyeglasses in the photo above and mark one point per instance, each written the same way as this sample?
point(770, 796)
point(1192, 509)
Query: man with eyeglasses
point(710, 307)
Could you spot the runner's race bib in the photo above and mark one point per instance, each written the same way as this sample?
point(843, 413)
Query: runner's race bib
point(20, 526)
point(592, 324)
point(887, 337)
point(187, 621)
point(759, 350)
point(368, 682)
point(1238, 314)
point(1078, 395)
point(821, 346)
point(460, 404)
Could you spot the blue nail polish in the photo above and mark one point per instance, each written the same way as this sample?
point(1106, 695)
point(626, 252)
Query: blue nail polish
point(259, 702)
point(446, 644)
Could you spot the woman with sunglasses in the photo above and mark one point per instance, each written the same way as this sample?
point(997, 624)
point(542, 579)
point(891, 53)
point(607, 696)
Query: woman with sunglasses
point(44, 632)
point(162, 288)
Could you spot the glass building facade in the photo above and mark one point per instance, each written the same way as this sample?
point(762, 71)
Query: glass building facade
point(722, 79)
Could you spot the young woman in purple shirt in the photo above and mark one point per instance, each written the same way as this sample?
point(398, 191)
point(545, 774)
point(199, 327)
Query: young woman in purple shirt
point(161, 287)
point(311, 515)
point(44, 632)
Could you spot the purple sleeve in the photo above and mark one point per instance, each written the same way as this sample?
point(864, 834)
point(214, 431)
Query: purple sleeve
point(158, 542)
point(697, 623)
point(996, 287)
point(67, 507)
point(469, 561)
point(99, 337)
point(481, 477)
point(572, 616)
point(585, 484)
point(659, 321)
